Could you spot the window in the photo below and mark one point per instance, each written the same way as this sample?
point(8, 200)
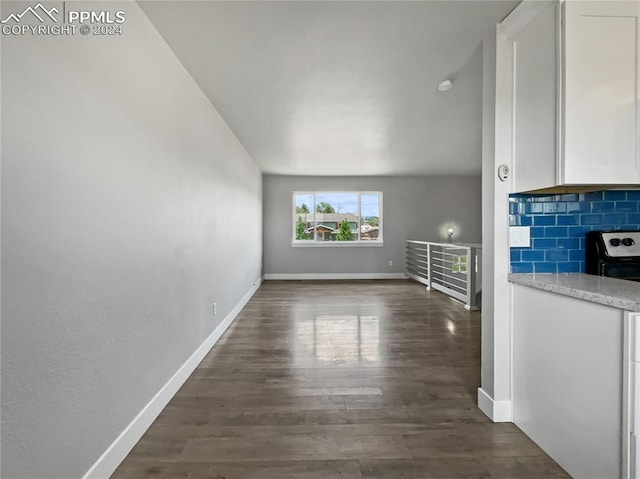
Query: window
point(337, 218)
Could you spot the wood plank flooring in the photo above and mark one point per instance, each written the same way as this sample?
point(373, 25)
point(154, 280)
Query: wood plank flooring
point(351, 380)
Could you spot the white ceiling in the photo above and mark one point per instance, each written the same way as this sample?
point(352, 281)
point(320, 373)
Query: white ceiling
point(340, 88)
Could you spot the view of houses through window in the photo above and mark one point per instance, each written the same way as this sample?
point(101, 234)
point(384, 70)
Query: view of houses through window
point(323, 216)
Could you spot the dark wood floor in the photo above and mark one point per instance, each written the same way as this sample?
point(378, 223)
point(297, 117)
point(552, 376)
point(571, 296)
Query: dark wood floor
point(367, 379)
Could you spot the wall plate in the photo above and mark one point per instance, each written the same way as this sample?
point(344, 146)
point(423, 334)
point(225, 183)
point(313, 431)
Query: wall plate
point(519, 236)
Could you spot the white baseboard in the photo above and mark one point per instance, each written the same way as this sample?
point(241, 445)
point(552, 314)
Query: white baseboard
point(497, 411)
point(118, 450)
point(315, 276)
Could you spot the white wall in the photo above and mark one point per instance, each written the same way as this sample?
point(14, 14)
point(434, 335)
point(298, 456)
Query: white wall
point(414, 208)
point(128, 207)
point(494, 396)
point(488, 201)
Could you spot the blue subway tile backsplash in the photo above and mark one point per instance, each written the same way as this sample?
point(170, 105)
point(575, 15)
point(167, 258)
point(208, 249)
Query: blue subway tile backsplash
point(559, 224)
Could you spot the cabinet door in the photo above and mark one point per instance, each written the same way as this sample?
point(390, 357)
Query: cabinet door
point(533, 29)
point(601, 92)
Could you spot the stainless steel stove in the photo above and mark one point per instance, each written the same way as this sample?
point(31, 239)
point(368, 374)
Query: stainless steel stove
point(614, 253)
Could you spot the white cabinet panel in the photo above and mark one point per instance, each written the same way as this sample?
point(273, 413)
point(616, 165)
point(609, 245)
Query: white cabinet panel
point(568, 380)
point(535, 96)
point(631, 399)
point(601, 92)
point(635, 426)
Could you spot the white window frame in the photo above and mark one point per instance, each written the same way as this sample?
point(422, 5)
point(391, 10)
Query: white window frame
point(337, 244)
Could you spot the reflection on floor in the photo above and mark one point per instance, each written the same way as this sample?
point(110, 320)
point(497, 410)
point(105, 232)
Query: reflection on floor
point(363, 379)
point(338, 337)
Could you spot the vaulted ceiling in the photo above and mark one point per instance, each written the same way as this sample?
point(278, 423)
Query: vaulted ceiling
point(340, 88)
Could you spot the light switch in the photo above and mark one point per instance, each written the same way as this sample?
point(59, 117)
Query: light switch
point(519, 236)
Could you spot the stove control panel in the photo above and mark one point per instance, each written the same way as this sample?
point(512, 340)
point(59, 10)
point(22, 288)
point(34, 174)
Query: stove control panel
point(623, 243)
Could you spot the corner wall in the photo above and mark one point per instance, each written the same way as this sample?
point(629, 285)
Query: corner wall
point(494, 396)
point(413, 208)
point(488, 204)
point(128, 208)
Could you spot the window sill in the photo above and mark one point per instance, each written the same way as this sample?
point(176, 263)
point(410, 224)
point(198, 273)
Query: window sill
point(336, 244)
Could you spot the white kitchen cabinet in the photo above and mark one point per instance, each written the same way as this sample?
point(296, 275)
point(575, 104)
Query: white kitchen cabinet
point(573, 90)
point(631, 411)
point(568, 381)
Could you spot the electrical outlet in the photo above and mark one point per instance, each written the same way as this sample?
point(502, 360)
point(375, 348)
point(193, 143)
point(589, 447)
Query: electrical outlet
point(390, 263)
point(215, 308)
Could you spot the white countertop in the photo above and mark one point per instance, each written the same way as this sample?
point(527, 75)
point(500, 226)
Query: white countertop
point(616, 293)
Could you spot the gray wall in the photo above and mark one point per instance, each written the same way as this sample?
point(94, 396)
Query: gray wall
point(128, 207)
point(414, 208)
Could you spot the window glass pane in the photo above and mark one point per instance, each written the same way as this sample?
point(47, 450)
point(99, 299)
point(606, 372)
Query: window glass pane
point(304, 217)
point(336, 216)
point(370, 225)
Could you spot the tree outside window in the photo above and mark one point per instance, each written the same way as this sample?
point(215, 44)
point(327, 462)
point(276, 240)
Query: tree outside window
point(344, 233)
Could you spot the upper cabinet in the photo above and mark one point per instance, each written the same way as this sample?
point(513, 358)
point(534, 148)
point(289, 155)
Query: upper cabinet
point(569, 83)
point(600, 92)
